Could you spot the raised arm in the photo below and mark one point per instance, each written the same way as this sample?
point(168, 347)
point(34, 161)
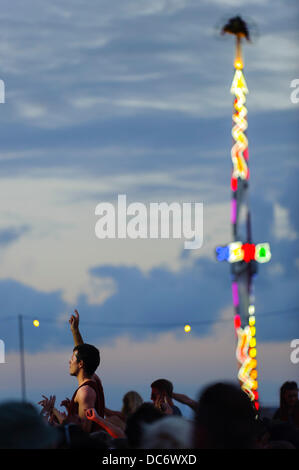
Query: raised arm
point(185, 400)
point(74, 324)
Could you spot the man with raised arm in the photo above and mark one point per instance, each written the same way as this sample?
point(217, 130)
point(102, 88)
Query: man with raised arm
point(89, 394)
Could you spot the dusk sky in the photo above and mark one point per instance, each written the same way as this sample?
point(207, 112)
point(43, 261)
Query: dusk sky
point(132, 97)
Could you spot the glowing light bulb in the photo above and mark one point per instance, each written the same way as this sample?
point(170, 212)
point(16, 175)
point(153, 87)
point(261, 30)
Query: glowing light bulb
point(251, 310)
point(253, 330)
point(36, 323)
point(251, 321)
point(187, 328)
point(252, 352)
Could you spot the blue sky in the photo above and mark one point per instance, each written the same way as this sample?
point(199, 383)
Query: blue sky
point(132, 97)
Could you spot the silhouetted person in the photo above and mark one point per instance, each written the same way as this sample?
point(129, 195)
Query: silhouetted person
point(146, 414)
point(289, 404)
point(225, 419)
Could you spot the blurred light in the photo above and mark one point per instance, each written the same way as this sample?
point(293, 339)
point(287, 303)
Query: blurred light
point(252, 343)
point(238, 64)
point(252, 352)
point(187, 328)
point(251, 309)
point(252, 330)
point(262, 253)
point(237, 322)
point(251, 321)
point(36, 323)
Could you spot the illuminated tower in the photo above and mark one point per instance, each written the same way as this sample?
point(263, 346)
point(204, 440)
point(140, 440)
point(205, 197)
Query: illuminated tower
point(242, 254)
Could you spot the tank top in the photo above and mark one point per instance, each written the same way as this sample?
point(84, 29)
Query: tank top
point(99, 405)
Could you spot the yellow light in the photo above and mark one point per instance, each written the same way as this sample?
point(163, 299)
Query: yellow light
point(252, 343)
point(252, 330)
point(254, 385)
point(238, 64)
point(251, 321)
point(252, 352)
point(36, 323)
point(253, 374)
point(253, 363)
point(235, 252)
point(187, 328)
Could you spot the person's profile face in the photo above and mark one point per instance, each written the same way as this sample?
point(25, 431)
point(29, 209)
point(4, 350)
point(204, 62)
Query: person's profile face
point(155, 395)
point(73, 364)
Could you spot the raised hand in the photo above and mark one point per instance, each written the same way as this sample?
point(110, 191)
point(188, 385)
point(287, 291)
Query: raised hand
point(91, 414)
point(47, 405)
point(74, 321)
point(66, 403)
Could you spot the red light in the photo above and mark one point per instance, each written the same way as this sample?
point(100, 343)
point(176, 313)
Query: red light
point(234, 184)
point(246, 153)
point(256, 404)
point(249, 252)
point(237, 322)
point(256, 395)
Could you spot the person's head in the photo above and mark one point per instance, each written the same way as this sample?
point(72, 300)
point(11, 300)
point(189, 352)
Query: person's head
point(171, 432)
point(288, 394)
point(22, 427)
point(161, 388)
point(85, 360)
point(146, 413)
point(131, 402)
point(225, 419)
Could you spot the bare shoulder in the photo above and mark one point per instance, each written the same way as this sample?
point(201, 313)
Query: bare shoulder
point(86, 392)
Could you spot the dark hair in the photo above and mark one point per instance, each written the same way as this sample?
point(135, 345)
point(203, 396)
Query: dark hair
point(225, 418)
point(146, 413)
point(163, 385)
point(90, 356)
point(284, 388)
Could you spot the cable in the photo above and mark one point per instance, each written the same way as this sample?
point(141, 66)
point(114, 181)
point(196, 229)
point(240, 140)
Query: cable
point(159, 325)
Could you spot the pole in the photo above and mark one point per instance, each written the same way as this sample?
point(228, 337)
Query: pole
point(22, 358)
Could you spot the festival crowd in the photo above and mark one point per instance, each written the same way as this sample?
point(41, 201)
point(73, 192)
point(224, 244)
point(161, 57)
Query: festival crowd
point(223, 416)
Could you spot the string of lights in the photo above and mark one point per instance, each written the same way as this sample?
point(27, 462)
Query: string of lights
point(56, 321)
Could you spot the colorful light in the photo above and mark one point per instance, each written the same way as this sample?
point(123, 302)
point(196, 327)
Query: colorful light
point(235, 294)
point(237, 251)
point(36, 323)
point(262, 253)
point(239, 89)
point(187, 328)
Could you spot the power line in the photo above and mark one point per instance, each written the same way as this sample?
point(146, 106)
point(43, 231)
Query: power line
point(160, 325)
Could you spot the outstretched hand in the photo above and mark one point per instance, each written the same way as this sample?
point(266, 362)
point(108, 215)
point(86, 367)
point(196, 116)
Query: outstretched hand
point(74, 321)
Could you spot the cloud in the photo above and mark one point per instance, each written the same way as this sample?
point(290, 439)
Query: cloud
point(9, 235)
